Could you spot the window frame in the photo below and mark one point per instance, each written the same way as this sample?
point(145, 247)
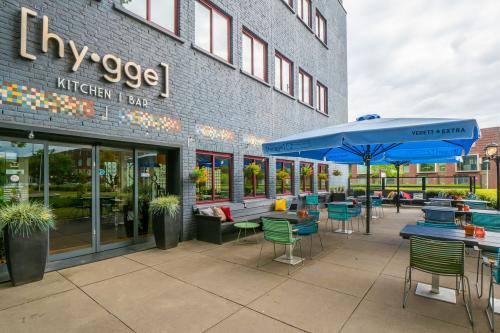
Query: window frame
point(148, 16)
point(282, 58)
point(254, 180)
point(213, 156)
point(254, 38)
point(419, 171)
point(326, 168)
point(319, 18)
point(478, 164)
point(302, 74)
point(303, 188)
point(320, 85)
point(300, 13)
point(292, 169)
point(211, 7)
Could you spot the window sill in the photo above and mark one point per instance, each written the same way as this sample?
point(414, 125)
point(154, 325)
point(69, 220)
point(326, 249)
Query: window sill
point(285, 196)
point(254, 199)
point(322, 43)
point(322, 113)
point(208, 54)
point(305, 24)
point(255, 78)
point(288, 6)
point(305, 104)
point(155, 26)
point(284, 93)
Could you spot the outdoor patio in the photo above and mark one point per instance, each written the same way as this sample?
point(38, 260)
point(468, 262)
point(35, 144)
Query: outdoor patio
point(354, 285)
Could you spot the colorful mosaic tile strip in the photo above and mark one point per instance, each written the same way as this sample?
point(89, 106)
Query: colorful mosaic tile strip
point(254, 140)
point(148, 121)
point(33, 99)
point(215, 133)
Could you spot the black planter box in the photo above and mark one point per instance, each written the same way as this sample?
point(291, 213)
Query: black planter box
point(166, 230)
point(26, 256)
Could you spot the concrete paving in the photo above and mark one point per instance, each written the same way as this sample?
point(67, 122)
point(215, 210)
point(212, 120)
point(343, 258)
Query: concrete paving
point(354, 285)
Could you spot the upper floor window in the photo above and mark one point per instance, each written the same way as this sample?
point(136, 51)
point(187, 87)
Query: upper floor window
point(304, 11)
point(215, 184)
point(284, 176)
point(426, 167)
point(255, 177)
point(305, 87)
point(469, 163)
point(323, 177)
point(322, 97)
point(254, 55)
point(161, 12)
point(306, 177)
point(212, 30)
point(283, 74)
point(320, 27)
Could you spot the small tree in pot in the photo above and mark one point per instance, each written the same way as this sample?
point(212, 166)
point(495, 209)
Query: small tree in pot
point(166, 227)
point(25, 226)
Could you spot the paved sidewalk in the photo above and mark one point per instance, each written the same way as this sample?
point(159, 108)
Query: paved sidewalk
point(354, 285)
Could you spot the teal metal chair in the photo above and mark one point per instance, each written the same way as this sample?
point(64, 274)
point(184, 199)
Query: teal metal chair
point(355, 212)
point(310, 229)
point(278, 232)
point(338, 212)
point(312, 202)
point(493, 262)
point(377, 206)
point(476, 205)
point(490, 222)
point(441, 258)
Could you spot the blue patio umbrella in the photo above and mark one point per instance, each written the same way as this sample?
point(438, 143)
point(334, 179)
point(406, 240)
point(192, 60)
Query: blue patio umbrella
point(371, 138)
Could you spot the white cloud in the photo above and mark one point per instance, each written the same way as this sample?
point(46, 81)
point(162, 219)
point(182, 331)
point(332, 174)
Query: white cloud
point(421, 58)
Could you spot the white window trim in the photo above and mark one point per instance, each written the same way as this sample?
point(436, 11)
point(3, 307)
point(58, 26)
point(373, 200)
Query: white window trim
point(478, 164)
point(435, 168)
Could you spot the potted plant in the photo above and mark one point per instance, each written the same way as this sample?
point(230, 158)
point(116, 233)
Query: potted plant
point(337, 193)
point(306, 171)
point(322, 176)
point(199, 175)
point(25, 228)
point(166, 226)
point(253, 168)
point(337, 172)
point(282, 174)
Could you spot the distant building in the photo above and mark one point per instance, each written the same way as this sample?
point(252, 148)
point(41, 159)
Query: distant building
point(453, 173)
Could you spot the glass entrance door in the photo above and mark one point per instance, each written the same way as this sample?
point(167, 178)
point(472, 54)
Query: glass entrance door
point(116, 187)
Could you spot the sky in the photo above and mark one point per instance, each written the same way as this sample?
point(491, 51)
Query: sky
point(422, 58)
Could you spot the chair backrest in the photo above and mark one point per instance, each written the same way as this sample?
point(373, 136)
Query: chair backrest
point(277, 231)
point(314, 214)
point(338, 211)
point(312, 199)
point(438, 257)
point(376, 202)
point(355, 210)
point(488, 221)
point(476, 205)
point(439, 216)
point(438, 225)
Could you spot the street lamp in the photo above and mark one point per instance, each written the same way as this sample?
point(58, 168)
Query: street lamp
point(492, 153)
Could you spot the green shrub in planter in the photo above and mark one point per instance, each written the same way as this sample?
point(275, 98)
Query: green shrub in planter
point(25, 228)
point(166, 224)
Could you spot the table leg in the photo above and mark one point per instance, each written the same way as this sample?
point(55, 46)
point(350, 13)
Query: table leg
point(436, 292)
point(288, 257)
point(343, 229)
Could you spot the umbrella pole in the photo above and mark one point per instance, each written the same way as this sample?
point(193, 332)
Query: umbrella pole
point(368, 196)
point(397, 187)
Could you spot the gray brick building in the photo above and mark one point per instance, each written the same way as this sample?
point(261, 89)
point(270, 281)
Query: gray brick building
point(213, 103)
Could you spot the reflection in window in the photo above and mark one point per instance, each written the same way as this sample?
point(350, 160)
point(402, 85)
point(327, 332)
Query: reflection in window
point(322, 97)
point(161, 12)
point(283, 74)
point(427, 167)
point(323, 177)
point(469, 163)
point(306, 180)
point(255, 175)
point(284, 176)
point(212, 30)
point(217, 184)
point(254, 52)
point(320, 27)
point(305, 87)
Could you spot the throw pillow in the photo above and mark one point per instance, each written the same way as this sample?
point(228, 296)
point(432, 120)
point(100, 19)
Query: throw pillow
point(219, 213)
point(406, 195)
point(280, 205)
point(207, 212)
point(227, 212)
point(391, 195)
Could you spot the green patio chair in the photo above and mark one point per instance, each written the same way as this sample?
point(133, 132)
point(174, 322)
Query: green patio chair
point(278, 232)
point(438, 257)
point(490, 222)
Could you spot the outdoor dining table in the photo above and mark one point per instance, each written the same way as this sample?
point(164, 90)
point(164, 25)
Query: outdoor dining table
point(459, 213)
point(343, 226)
point(490, 242)
point(454, 201)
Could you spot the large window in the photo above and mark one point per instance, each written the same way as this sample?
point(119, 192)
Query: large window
point(320, 27)
point(306, 177)
point(283, 74)
point(284, 176)
point(323, 177)
point(161, 12)
point(255, 176)
point(254, 55)
point(304, 11)
point(426, 167)
point(469, 163)
point(322, 97)
point(212, 30)
point(216, 185)
point(305, 87)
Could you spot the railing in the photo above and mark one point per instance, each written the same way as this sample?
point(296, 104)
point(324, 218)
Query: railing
point(421, 183)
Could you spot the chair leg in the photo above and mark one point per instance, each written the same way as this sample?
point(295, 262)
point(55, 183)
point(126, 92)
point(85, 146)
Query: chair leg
point(238, 239)
point(479, 290)
point(468, 302)
point(260, 255)
point(490, 308)
point(406, 290)
point(320, 241)
point(274, 245)
point(311, 246)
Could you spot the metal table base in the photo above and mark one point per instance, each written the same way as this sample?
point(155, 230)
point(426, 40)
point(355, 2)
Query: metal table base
point(288, 257)
point(436, 292)
point(343, 229)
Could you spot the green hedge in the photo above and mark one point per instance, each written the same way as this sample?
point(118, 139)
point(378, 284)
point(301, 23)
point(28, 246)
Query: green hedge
point(488, 195)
